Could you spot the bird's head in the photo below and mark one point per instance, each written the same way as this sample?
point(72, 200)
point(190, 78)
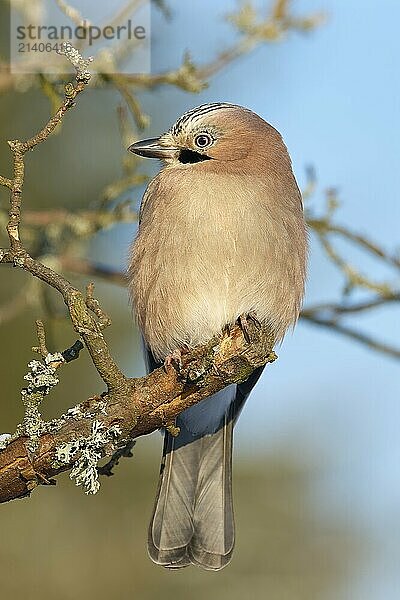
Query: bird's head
point(212, 134)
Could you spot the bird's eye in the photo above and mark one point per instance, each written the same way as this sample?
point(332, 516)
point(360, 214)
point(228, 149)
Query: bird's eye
point(203, 140)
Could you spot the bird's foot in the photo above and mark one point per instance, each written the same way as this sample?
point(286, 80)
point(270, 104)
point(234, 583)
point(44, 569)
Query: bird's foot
point(253, 317)
point(173, 360)
point(243, 321)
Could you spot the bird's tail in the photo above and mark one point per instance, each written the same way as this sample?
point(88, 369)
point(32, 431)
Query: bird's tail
point(193, 514)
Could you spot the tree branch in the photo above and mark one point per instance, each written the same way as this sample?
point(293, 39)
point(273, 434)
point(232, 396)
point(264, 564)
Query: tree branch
point(152, 402)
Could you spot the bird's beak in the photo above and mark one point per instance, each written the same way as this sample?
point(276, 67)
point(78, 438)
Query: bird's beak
point(152, 148)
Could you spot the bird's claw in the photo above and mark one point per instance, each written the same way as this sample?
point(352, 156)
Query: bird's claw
point(253, 317)
point(243, 321)
point(173, 360)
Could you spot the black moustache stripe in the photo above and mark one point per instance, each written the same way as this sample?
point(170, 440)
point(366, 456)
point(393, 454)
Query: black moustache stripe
point(190, 156)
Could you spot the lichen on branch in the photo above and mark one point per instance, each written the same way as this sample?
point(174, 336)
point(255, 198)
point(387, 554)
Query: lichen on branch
point(73, 442)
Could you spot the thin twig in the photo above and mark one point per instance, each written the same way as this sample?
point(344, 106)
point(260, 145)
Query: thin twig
point(325, 227)
point(93, 304)
point(353, 334)
point(343, 309)
point(41, 335)
point(4, 181)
